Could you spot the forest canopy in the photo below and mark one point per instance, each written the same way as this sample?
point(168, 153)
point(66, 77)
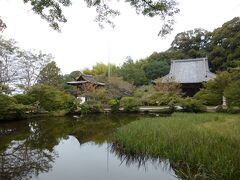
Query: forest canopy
point(42, 86)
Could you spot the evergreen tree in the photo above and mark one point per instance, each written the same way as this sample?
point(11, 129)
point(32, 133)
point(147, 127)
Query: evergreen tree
point(50, 75)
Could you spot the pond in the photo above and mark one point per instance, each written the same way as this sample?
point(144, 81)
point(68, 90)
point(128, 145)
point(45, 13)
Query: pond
point(72, 148)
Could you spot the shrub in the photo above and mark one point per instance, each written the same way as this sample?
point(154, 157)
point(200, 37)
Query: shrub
point(220, 108)
point(167, 85)
point(51, 99)
point(208, 97)
point(225, 84)
point(144, 95)
point(114, 105)
point(5, 89)
point(6, 103)
point(192, 105)
point(148, 95)
point(232, 94)
point(21, 109)
point(6, 100)
point(168, 98)
point(9, 109)
point(99, 94)
point(24, 99)
point(91, 106)
point(129, 104)
point(117, 87)
point(163, 99)
point(232, 110)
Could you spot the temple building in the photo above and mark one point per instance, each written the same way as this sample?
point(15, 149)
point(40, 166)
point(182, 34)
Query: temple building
point(86, 83)
point(190, 73)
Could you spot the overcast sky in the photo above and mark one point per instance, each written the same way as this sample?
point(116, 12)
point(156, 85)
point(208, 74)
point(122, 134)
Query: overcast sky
point(82, 43)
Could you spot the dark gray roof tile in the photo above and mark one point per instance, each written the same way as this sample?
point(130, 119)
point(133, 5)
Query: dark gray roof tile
point(189, 71)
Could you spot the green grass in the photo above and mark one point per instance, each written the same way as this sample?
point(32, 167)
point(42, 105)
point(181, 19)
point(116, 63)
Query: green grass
point(200, 146)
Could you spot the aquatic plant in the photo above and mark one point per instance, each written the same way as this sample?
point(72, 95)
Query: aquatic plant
point(205, 146)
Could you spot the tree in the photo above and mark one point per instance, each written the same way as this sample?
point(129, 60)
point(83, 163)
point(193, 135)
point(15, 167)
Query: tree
point(74, 74)
point(225, 84)
point(145, 95)
point(156, 69)
point(22, 162)
point(129, 104)
point(2, 25)
point(224, 49)
point(97, 95)
point(101, 69)
point(133, 72)
point(50, 75)
point(116, 87)
point(232, 94)
point(6, 104)
point(4, 89)
point(10, 109)
point(29, 68)
point(209, 97)
point(51, 98)
point(218, 84)
point(222, 46)
point(51, 11)
point(192, 43)
point(8, 62)
point(67, 78)
point(164, 56)
point(19, 68)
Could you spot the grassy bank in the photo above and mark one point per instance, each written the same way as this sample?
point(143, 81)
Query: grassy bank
point(204, 146)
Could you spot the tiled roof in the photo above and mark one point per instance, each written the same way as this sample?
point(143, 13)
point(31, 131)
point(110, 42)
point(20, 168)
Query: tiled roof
point(83, 78)
point(189, 71)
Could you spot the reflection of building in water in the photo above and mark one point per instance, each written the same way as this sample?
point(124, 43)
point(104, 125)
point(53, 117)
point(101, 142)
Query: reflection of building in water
point(190, 73)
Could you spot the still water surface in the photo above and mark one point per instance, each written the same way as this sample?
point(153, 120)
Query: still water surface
point(69, 148)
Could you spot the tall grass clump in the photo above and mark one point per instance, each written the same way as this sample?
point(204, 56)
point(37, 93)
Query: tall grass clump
point(205, 145)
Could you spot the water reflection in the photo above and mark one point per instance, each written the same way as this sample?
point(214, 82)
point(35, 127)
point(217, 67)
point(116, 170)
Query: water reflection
point(142, 161)
point(72, 148)
point(19, 161)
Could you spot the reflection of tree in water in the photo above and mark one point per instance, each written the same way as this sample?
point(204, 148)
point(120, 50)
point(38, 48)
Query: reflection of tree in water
point(99, 128)
point(20, 158)
point(27, 147)
point(21, 162)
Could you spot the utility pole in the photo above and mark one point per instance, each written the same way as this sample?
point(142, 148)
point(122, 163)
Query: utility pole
point(109, 71)
point(109, 64)
point(0, 76)
point(1, 65)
